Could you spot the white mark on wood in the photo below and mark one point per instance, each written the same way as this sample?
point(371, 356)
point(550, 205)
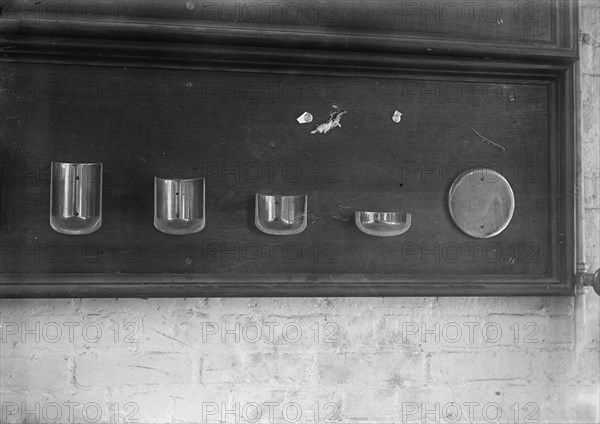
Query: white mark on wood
point(334, 122)
point(488, 141)
point(397, 116)
point(9, 77)
point(305, 118)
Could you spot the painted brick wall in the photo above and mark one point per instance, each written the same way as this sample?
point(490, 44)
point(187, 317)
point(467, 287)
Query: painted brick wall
point(420, 360)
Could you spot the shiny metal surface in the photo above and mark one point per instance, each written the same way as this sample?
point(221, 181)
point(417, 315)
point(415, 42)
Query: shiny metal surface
point(179, 205)
point(280, 215)
point(481, 202)
point(587, 279)
point(75, 197)
point(382, 224)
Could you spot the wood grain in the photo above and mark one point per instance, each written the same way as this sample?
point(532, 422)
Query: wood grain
point(169, 103)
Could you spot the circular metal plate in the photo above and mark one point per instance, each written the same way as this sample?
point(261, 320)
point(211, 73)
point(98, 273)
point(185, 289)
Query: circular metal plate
point(481, 202)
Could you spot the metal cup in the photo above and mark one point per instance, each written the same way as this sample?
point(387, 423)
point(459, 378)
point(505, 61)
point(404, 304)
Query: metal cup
point(179, 205)
point(280, 215)
point(382, 224)
point(76, 197)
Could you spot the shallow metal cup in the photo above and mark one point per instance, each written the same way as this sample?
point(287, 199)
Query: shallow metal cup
point(382, 224)
point(179, 205)
point(75, 197)
point(280, 215)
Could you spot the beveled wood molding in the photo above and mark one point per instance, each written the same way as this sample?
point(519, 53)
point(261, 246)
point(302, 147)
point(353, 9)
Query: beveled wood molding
point(138, 22)
point(200, 285)
point(259, 59)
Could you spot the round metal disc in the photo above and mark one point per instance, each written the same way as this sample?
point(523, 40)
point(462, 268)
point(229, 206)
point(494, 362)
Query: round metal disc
point(481, 202)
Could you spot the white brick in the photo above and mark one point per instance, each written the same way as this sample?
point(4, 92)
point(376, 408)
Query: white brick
point(63, 407)
point(43, 372)
point(378, 403)
point(256, 368)
point(592, 239)
point(591, 190)
point(394, 369)
point(201, 404)
point(481, 306)
point(488, 365)
point(147, 403)
point(131, 369)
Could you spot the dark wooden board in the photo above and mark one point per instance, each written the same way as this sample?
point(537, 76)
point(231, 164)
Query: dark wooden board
point(238, 130)
point(500, 28)
point(207, 89)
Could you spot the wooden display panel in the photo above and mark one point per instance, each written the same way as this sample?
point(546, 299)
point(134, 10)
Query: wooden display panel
point(174, 92)
point(238, 130)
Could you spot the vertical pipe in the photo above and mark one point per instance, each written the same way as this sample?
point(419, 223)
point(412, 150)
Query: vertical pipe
point(579, 177)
